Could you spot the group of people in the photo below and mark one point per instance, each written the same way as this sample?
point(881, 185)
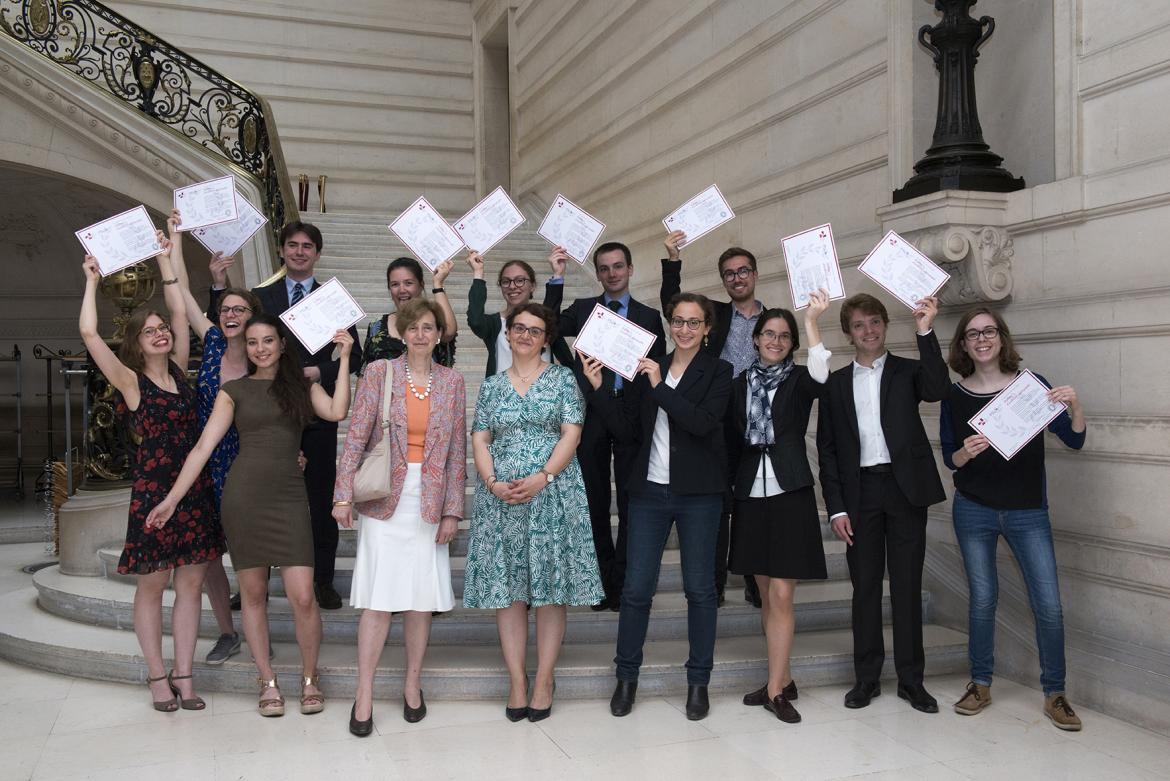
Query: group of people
point(708, 439)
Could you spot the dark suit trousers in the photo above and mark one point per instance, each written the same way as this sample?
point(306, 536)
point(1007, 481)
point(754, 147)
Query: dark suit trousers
point(595, 453)
point(319, 444)
point(890, 531)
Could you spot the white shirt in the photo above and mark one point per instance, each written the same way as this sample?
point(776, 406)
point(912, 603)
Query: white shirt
point(504, 350)
point(658, 471)
point(765, 483)
point(867, 401)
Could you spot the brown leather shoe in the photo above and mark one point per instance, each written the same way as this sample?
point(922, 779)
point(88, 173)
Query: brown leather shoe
point(1061, 714)
point(782, 708)
point(976, 698)
point(760, 696)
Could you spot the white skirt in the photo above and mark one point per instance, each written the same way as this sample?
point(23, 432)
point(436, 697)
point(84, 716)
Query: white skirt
point(399, 566)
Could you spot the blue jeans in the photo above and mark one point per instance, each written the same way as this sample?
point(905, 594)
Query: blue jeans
point(651, 514)
point(1029, 534)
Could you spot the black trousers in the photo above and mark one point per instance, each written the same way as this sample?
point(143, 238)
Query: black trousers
point(888, 532)
point(722, 548)
point(319, 444)
point(595, 453)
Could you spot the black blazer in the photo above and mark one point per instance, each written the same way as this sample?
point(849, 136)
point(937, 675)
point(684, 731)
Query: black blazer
point(274, 299)
point(905, 383)
point(573, 318)
point(790, 412)
point(696, 408)
point(672, 283)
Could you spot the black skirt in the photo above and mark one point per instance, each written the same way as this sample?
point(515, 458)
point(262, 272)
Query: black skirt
point(778, 536)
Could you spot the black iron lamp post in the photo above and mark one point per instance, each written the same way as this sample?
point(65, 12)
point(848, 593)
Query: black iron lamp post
point(958, 158)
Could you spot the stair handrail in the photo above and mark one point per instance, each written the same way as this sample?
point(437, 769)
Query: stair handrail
point(177, 91)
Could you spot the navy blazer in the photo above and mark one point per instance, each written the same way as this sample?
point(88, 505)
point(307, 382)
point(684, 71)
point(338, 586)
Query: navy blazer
point(905, 384)
point(695, 410)
point(573, 319)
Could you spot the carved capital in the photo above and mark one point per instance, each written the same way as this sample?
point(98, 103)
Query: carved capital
point(978, 258)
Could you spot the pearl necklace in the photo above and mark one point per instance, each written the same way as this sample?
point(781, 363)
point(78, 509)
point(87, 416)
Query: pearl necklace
point(410, 381)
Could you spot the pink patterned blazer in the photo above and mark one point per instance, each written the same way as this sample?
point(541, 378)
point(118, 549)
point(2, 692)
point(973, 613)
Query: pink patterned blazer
point(444, 467)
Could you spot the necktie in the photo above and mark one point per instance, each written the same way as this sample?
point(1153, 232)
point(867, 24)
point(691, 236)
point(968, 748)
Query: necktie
point(298, 293)
point(616, 306)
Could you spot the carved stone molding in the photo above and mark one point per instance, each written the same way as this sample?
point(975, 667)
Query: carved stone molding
point(964, 233)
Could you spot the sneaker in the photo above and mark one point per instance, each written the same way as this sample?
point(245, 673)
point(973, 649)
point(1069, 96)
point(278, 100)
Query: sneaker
point(227, 646)
point(976, 698)
point(1060, 713)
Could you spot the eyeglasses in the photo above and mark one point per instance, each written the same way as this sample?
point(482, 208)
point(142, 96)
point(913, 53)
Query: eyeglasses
point(234, 310)
point(154, 331)
point(731, 274)
point(514, 281)
point(988, 333)
point(772, 336)
point(535, 331)
point(692, 324)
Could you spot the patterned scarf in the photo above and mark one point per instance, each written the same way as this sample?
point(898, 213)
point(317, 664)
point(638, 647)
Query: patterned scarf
point(762, 379)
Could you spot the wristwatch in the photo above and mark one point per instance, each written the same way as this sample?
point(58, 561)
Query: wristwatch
point(548, 476)
point(437, 290)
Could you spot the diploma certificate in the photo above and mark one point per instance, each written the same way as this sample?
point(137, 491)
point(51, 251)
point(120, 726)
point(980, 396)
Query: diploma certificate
point(229, 237)
point(121, 240)
point(1017, 413)
point(615, 341)
point(425, 233)
point(568, 225)
point(489, 221)
point(206, 203)
point(700, 215)
point(319, 315)
point(811, 258)
point(902, 271)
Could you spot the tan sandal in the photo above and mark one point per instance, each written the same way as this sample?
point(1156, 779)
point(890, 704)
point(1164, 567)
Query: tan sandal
point(311, 703)
point(270, 706)
point(187, 703)
point(163, 706)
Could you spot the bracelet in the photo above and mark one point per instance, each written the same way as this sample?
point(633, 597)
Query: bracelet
point(491, 481)
point(437, 290)
point(174, 281)
point(342, 504)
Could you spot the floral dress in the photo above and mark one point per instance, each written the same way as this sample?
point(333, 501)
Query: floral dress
point(540, 552)
point(168, 426)
point(214, 346)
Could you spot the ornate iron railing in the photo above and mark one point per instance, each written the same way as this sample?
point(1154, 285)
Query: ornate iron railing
point(174, 89)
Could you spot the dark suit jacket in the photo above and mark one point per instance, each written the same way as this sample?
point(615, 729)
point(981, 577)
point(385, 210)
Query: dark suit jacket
point(573, 318)
point(274, 298)
point(905, 383)
point(790, 411)
point(696, 409)
point(672, 283)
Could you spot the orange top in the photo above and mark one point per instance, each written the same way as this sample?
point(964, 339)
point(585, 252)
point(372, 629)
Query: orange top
point(417, 412)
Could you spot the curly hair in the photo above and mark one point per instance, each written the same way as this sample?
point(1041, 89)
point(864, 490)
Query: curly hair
point(290, 388)
point(691, 298)
point(957, 358)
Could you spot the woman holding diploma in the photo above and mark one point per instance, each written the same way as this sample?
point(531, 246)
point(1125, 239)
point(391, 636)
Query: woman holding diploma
point(679, 477)
point(224, 359)
point(149, 373)
point(776, 527)
point(404, 280)
point(531, 538)
point(265, 506)
point(995, 497)
point(402, 563)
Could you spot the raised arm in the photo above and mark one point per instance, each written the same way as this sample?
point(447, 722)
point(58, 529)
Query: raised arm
point(671, 269)
point(932, 382)
point(444, 301)
point(180, 330)
point(195, 314)
point(477, 296)
point(334, 408)
point(218, 423)
point(117, 373)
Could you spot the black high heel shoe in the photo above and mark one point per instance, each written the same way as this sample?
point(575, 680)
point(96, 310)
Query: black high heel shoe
point(521, 713)
point(360, 728)
point(414, 715)
point(540, 714)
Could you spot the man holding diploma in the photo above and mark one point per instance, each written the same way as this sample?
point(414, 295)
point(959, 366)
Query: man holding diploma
point(878, 477)
point(300, 249)
point(614, 266)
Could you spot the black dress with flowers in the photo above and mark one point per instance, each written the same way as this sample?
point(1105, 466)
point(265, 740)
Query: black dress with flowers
point(168, 425)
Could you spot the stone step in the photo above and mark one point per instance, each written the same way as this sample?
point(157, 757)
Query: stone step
point(35, 638)
point(669, 576)
point(101, 602)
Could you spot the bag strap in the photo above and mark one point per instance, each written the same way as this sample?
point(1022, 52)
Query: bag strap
point(387, 392)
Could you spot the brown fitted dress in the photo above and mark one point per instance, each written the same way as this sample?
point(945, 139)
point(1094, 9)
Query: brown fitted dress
point(265, 509)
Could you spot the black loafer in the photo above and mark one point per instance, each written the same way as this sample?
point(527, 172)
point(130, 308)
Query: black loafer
point(622, 701)
point(861, 694)
point(918, 697)
point(327, 596)
point(698, 706)
point(362, 729)
point(782, 709)
point(760, 696)
point(414, 715)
